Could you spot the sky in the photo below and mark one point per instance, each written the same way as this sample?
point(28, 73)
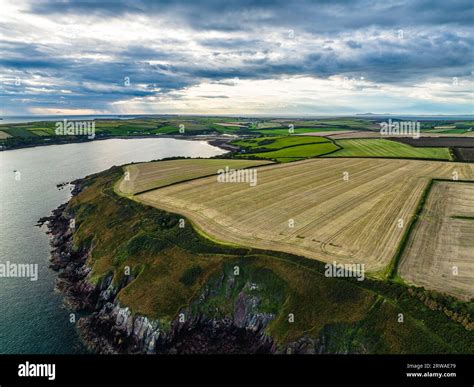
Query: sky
point(326, 57)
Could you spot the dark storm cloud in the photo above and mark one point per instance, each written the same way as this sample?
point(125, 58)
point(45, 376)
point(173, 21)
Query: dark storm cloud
point(331, 37)
point(320, 16)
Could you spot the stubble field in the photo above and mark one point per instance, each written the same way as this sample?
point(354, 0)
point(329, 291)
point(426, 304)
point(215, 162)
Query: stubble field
point(308, 208)
point(439, 254)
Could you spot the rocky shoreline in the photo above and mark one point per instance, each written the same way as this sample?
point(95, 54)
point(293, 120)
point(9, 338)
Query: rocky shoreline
point(109, 328)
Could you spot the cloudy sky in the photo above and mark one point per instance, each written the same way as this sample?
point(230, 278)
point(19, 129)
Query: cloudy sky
point(236, 57)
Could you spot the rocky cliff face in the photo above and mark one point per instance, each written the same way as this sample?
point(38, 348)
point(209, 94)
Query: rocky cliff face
point(110, 328)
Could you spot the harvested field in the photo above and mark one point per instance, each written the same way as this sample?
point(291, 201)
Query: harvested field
point(348, 221)
point(387, 148)
point(233, 124)
point(442, 240)
point(145, 176)
point(4, 135)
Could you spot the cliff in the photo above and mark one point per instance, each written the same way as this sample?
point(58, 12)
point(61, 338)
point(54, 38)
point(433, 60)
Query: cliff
point(145, 285)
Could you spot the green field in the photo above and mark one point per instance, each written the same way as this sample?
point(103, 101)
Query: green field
point(295, 153)
point(285, 149)
point(33, 133)
point(273, 143)
point(387, 148)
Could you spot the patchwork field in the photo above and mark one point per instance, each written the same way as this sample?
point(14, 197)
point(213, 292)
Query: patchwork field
point(145, 176)
point(295, 153)
point(284, 131)
point(355, 134)
point(387, 148)
point(285, 149)
point(308, 208)
point(464, 154)
point(443, 241)
point(274, 143)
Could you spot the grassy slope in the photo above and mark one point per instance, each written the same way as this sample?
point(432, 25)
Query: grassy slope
point(387, 148)
point(173, 264)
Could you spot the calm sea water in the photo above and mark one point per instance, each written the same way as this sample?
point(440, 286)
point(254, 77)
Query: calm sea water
point(32, 316)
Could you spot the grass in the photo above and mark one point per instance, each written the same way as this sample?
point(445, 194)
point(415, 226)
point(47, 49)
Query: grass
point(387, 148)
point(146, 176)
point(172, 266)
point(285, 149)
point(295, 153)
point(285, 131)
point(275, 143)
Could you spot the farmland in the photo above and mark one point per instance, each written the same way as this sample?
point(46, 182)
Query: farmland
point(387, 148)
point(462, 147)
point(308, 208)
point(173, 266)
point(145, 176)
point(296, 130)
point(294, 148)
point(273, 143)
point(439, 254)
point(285, 149)
point(295, 153)
point(4, 135)
point(464, 154)
point(43, 132)
point(452, 142)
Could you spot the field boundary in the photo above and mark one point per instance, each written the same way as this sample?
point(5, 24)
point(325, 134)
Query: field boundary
point(270, 162)
point(259, 150)
point(392, 268)
point(297, 158)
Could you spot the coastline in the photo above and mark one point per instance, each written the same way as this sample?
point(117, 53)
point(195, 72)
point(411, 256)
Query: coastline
point(219, 141)
point(106, 327)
